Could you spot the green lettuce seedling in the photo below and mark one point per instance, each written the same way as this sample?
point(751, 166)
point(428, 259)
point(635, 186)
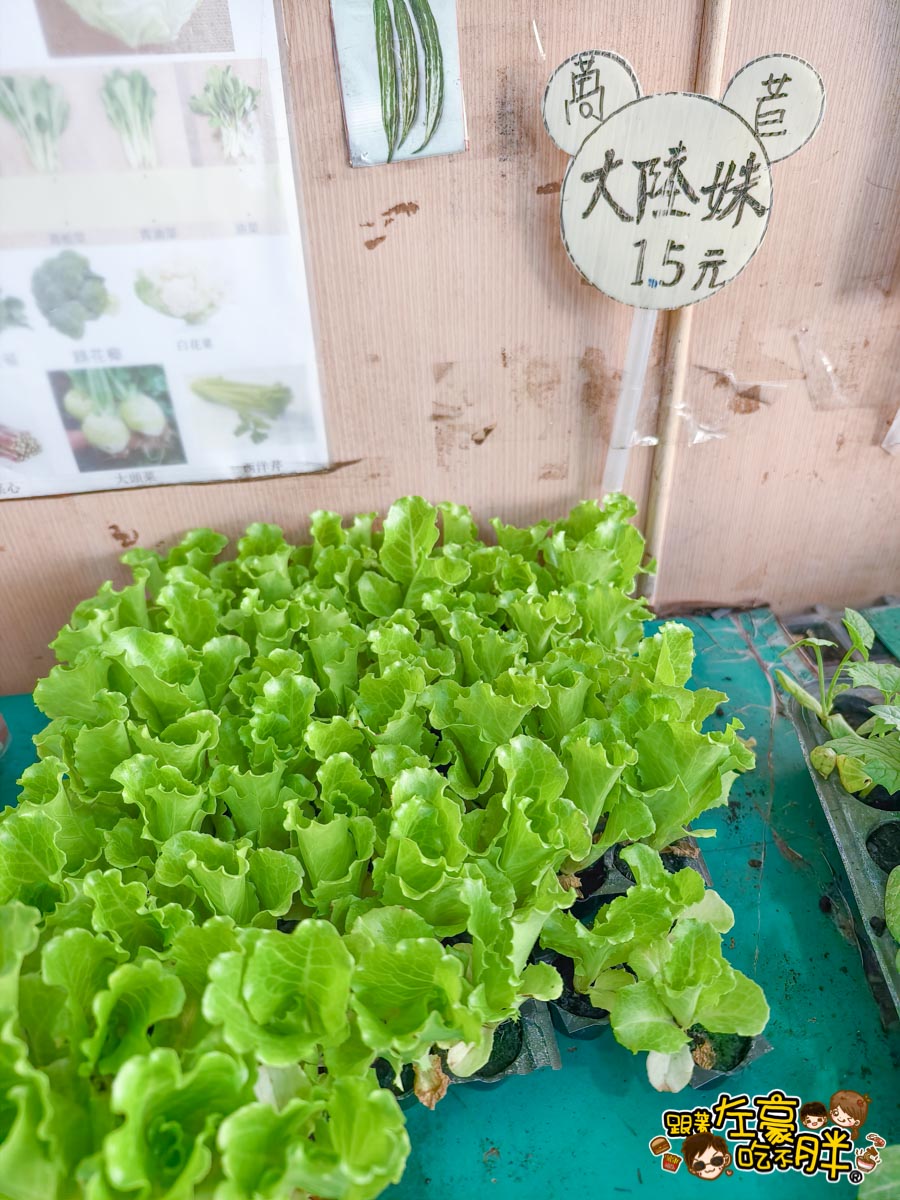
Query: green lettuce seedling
point(312, 806)
point(653, 959)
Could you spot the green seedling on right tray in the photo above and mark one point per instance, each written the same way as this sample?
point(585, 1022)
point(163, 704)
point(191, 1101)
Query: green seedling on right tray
point(869, 756)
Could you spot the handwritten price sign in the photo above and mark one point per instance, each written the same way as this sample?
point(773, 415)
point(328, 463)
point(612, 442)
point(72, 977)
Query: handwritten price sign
point(668, 197)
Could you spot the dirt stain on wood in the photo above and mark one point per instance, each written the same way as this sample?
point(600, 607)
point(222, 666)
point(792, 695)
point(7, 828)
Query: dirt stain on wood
point(441, 369)
point(598, 388)
point(542, 380)
point(482, 435)
point(504, 358)
point(747, 401)
point(373, 243)
point(446, 412)
point(721, 379)
point(550, 189)
point(554, 471)
point(516, 119)
point(505, 118)
point(408, 208)
point(124, 539)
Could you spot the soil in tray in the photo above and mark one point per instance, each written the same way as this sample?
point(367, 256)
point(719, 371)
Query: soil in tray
point(571, 1001)
point(854, 709)
point(883, 845)
point(718, 1051)
point(506, 1049)
point(384, 1073)
point(586, 911)
point(592, 878)
point(882, 799)
point(671, 860)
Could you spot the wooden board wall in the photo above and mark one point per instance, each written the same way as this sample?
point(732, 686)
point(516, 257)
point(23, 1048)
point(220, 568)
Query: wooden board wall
point(463, 358)
point(798, 503)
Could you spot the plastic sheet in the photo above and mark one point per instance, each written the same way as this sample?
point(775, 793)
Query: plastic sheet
point(822, 382)
point(640, 341)
point(891, 443)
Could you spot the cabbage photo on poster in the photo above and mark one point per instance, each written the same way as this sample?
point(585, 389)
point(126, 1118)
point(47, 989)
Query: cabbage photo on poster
point(89, 27)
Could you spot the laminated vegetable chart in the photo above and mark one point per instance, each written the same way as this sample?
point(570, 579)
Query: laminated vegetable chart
point(155, 322)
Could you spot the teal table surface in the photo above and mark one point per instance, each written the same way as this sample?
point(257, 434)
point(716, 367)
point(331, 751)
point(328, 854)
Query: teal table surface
point(584, 1130)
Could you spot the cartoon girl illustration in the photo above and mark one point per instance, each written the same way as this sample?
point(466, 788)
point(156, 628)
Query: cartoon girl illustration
point(849, 1109)
point(814, 1115)
point(705, 1155)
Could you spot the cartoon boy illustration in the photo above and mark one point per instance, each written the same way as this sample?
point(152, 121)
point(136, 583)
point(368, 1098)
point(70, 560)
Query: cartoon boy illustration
point(814, 1115)
point(705, 1155)
point(849, 1109)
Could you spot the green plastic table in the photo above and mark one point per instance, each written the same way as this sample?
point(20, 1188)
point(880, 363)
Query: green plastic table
point(583, 1131)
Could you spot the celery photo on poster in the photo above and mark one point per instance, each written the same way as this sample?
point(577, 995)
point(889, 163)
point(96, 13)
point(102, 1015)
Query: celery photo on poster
point(400, 78)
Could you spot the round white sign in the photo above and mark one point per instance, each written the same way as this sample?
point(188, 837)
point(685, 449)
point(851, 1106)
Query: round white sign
point(666, 201)
point(582, 92)
point(782, 98)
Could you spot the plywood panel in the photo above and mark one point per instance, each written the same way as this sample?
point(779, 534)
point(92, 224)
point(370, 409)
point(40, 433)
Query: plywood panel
point(461, 355)
point(793, 501)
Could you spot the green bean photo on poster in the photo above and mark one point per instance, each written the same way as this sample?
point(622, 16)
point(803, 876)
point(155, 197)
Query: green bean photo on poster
point(399, 64)
point(398, 69)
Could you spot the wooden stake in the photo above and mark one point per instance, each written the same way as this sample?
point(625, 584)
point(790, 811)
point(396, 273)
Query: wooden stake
point(708, 80)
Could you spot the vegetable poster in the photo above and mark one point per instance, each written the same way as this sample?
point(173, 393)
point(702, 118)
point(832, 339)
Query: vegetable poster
point(155, 322)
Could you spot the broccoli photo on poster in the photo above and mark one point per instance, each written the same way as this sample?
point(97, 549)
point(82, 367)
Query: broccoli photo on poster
point(118, 417)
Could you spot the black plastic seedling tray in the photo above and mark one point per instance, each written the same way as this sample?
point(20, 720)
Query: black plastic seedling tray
point(823, 622)
point(538, 1049)
point(868, 838)
point(608, 878)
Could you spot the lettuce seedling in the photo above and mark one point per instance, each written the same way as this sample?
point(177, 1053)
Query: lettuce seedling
point(312, 806)
point(653, 959)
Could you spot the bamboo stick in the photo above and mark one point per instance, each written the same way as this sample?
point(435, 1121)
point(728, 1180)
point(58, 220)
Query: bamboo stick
point(708, 81)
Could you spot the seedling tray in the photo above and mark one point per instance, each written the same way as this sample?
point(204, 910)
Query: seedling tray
point(617, 879)
point(857, 829)
point(824, 622)
point(538, 1049)
point(703, 1077)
